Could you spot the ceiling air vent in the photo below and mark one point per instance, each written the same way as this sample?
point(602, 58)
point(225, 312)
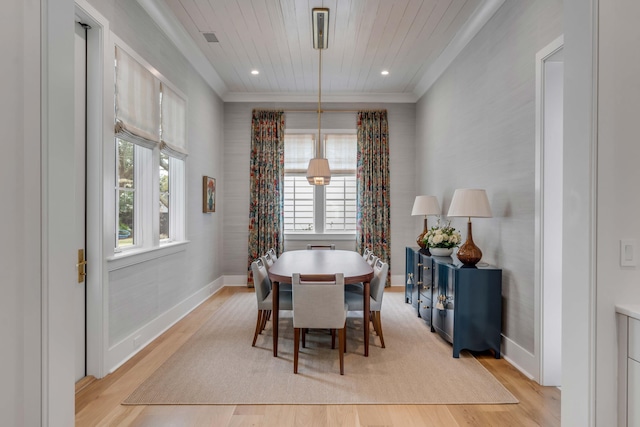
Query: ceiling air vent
point(210, 37)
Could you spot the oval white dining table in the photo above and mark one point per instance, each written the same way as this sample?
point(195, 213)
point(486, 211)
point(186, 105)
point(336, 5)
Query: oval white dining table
point(321, 262)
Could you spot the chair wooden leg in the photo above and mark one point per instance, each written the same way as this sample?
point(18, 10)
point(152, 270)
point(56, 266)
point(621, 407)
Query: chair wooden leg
point(342, 343)
point(378, 322)
point(296, 349)
point(258, 328)
point(265, 316)
point(333, 339)
point(304, 337)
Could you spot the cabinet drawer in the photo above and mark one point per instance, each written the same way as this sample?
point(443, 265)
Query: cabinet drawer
point(634, 339)
point(425, 308)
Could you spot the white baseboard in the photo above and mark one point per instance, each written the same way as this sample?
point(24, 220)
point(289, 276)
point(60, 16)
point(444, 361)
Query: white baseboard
point(397, 280)
point(127, 348)
point(235, 280)
point(521, 359)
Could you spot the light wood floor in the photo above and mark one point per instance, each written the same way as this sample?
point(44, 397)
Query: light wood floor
point(98, 402)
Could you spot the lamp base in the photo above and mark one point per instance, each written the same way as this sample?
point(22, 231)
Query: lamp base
point(420, 238)
point(469, 254)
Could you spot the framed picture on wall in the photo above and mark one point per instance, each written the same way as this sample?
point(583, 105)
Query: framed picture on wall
point(208, 194)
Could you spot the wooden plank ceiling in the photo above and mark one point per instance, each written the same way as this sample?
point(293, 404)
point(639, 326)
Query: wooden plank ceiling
point(404, 37)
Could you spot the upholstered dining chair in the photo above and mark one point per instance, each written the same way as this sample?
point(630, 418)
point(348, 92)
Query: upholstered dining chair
point(359, 287)
point(353, 297)
point(371, 259)
point(332, 246)
point(273, 254)
point(319, 303)
point(262, 285)
point(366, 253)
point(268, 261)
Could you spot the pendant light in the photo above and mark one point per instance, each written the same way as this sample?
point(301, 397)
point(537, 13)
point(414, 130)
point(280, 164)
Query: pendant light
point(318, 172)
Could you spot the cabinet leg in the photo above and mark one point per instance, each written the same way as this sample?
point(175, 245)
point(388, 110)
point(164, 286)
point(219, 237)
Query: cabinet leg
point(497, 353)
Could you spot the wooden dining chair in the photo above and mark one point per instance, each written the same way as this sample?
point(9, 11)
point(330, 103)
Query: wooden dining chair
point(332, 246)
point(264, 296)
point(353, 297)
point(319, 303)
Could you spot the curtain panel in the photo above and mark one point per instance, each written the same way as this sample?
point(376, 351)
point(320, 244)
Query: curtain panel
point(373, 198)
point(266, 204)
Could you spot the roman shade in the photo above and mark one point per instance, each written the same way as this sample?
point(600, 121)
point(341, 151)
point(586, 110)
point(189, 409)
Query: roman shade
point(173, 123)
point(137, 102)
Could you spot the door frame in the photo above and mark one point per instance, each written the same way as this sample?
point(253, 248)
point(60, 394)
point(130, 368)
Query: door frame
point(541, 57)
point(98, 113)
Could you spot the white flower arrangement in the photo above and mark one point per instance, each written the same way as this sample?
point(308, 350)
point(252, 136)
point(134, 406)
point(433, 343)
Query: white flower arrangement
point(440, 236)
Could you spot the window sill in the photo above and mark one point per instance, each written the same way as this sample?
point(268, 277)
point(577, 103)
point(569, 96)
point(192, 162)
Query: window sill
point(319, 236)
point(137, 256)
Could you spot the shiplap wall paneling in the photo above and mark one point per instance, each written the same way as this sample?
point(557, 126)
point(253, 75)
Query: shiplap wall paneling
point(476, 130)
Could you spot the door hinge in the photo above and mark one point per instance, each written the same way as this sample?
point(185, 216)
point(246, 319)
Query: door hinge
point(81, 266)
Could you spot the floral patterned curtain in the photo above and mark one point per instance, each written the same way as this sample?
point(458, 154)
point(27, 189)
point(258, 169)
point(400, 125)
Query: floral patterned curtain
point(373, 191)
point(266, 197)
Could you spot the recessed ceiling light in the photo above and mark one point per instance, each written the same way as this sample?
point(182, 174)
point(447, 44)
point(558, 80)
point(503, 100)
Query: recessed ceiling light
point(384, 72)
point(255, 72)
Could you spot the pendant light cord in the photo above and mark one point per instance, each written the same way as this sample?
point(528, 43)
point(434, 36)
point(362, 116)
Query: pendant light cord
point(318, 150)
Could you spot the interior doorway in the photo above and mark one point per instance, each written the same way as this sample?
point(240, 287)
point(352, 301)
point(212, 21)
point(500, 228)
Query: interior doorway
point(549, 197)
point(80, 114)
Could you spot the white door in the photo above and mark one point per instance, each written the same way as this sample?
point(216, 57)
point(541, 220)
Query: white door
point(80, 167)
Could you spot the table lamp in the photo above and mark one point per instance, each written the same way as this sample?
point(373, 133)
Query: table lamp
point(469, 203)
point(425, 205)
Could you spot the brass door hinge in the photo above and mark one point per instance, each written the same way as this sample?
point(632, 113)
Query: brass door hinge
point(81, 266)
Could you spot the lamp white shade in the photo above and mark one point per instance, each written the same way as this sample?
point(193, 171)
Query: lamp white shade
point(426, 205)
point(470, 203)
point(318, 172)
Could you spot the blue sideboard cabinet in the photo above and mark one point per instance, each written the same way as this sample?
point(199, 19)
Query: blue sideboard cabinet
point(470, 314)
point(418, 283)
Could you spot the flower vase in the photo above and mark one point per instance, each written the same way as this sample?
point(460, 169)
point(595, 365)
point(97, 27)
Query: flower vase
point(441, 251)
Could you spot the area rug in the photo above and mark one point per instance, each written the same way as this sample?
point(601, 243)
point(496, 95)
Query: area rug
point(217, 365)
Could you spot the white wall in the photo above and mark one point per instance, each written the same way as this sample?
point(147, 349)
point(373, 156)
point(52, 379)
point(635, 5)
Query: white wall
point(476, 129)
point(20, 261)
point(618, 200)
point(143, 296)
point(237, 129)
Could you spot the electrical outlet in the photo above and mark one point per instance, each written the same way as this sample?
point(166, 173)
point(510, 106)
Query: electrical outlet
point(136, 342)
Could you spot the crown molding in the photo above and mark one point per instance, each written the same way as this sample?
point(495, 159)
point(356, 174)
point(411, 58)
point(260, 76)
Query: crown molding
point(169, 24)
point(397, 98)
point(467, 32)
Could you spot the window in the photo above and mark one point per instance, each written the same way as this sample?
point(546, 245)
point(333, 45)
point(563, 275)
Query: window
point(163, 207)
point(320, 209)
point(150, 140)
point(125, 193)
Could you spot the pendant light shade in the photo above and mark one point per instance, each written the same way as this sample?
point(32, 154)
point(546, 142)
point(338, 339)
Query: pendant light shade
point(318, 172)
